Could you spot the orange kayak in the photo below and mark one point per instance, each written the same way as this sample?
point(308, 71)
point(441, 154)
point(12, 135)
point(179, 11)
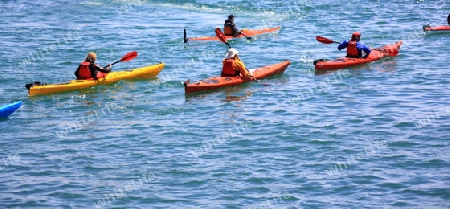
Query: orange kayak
point(343, 62)
point(437, 28)
point(220, 82)
point(245, 32)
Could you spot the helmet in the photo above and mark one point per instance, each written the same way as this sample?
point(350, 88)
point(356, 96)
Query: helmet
point(356, 36)
point(230, 16)
point(231, 53)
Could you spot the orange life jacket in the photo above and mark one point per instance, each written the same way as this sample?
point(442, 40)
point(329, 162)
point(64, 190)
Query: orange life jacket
point(228, 69)
point(228, 28)
point(228, 31)
point(352, 51)
point(84, 72)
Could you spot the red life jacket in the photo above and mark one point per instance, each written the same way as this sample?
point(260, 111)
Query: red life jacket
point(228, 69)
point(228, 28)
point(352, 51)
point(84, 72)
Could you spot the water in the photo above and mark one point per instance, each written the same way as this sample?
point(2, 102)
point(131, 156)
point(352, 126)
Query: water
point(373, 136)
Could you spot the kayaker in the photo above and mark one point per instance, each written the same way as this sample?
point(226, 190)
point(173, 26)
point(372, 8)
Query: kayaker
point(88, 69)
point(354, 47)
point(230, 28)
point(233, 66)
point(448, 19)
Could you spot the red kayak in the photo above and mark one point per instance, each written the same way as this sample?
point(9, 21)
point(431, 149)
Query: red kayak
point(219, 82)
point(437, 28)
point(343, 62)
point(244, 33)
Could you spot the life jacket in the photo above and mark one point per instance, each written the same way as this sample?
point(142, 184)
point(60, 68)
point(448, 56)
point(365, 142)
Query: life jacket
point(352, 51)
point(84, 72)
point(228, 28)
point(228, 69)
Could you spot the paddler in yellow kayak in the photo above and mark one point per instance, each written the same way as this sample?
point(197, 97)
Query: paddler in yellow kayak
point(89, 69)
point(233, 66)
point(230, 28)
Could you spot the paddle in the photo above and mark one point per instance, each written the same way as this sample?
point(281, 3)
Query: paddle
point(325, 40)
point(185, 36)
point(127, 57)
point(248, 38)
point(223, 39)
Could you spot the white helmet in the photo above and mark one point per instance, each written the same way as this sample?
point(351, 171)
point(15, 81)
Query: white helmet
point(231, 52)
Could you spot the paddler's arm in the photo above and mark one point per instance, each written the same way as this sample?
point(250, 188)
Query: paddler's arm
point(105, 69)
point(238, 64)
point(236, 32)
point(343, 45)
point(364, 48)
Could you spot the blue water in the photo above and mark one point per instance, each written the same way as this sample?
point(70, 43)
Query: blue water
point(373, 136)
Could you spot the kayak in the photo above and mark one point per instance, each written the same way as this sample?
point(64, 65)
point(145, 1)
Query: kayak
point(146, 72)
point(437, 28)
point(244, 33)
point(343, 62)
point(220, 82)
point(7, 110)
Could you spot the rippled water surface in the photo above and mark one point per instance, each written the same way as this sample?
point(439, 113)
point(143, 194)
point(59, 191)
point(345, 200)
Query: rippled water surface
point(372, 136)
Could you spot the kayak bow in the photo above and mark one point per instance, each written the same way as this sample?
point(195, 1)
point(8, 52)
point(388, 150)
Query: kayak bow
point(437, 28)
point(7, 110)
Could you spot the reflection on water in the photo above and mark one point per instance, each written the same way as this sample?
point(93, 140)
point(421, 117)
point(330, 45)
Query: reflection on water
point(388, 66)
point(232, 98)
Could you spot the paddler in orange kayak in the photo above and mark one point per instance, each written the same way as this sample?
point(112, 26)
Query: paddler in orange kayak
point(230, 28)
point(88, 69)
point(354, 47)
point(448, 19)
point(233, 66)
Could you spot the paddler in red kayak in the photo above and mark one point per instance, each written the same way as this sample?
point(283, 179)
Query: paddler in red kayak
point(230, 28)
point(354, 47)
point(448, 19)
point(233, 66)
point(88, 69)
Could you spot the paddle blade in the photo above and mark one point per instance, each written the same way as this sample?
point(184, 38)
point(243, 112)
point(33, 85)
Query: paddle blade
point(129, 56)
point(221, 36)
point(324, 40)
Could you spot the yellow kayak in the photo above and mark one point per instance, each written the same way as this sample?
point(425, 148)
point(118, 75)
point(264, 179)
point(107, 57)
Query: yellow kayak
point(146, 72)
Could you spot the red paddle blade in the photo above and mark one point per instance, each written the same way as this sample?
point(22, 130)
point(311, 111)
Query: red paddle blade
point(324, 40)
point(221, 36)
point(129, 56)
